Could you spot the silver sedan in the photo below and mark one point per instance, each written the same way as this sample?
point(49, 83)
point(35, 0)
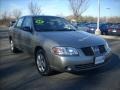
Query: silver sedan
point(57, 45)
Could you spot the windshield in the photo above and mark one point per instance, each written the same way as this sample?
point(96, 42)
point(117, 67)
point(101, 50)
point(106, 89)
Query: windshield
point(82, 25)
point(47, 23)
point(93, 25)
point(115, 26)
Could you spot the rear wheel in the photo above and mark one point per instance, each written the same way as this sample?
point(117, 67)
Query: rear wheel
point(102, 33)
point(106, 33)
point(42, 63)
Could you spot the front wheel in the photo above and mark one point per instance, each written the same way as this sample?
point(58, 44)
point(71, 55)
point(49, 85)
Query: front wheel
point(42, 63)
point(12, 47)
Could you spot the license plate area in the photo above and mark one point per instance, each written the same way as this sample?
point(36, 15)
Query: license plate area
point(114, 30)
point(99, 59)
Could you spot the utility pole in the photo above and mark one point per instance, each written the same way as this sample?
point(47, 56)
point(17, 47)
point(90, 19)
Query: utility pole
point(98, 32)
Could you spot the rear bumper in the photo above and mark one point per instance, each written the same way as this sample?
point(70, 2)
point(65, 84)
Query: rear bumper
point(78, 63)
point(114, 33)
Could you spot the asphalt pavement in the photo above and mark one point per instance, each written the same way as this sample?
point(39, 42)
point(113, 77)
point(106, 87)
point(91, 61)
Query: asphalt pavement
point(18, 72)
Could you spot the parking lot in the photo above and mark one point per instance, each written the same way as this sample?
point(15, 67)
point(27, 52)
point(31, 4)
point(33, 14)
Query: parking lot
point(18, 72)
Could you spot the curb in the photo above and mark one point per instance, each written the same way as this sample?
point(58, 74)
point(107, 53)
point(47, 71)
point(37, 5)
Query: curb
point(3, 30)
point(110, 37)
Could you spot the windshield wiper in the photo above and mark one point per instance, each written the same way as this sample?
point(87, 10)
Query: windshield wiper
point(52, 30)
point(65, 30)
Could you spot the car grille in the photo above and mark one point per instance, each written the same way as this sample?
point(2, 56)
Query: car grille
point(90, 51)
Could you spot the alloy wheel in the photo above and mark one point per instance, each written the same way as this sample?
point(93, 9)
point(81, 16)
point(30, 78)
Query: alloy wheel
point(41, 62)
point(11, 45)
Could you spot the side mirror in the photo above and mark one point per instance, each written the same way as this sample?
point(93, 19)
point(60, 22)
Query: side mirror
point(27, 29)
point(11, 23)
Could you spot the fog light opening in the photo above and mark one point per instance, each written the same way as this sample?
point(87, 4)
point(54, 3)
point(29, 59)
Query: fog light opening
point(68, 68)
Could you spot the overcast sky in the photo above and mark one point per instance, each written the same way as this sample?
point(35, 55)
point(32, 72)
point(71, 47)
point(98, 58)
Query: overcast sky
point(61, 7)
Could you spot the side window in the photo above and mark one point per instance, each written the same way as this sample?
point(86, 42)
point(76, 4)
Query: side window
point(27, 22)
point(19, 23)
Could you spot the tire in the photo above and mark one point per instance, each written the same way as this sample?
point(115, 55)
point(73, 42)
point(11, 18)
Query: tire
point(106, 33)
point(12, 47)
point(42, 63)
point(102, 33)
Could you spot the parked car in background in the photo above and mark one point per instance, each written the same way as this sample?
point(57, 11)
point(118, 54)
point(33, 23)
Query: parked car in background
point(92, 27)
point(104, 28)
point(82, 27)
point(114, 29)
point(56, 45)
point(74, 23)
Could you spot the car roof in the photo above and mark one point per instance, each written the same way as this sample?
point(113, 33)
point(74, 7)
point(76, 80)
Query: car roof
point(39, 16)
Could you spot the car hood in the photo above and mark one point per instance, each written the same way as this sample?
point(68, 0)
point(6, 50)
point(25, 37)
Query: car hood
point(75, 39)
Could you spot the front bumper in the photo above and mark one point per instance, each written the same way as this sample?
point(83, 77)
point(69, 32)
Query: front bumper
point(78, 63)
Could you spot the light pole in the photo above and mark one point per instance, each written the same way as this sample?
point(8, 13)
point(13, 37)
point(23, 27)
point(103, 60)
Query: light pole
point(106, 16)
point(98, 32)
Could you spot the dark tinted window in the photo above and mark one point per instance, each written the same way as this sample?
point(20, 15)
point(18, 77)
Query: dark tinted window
point(47, 23)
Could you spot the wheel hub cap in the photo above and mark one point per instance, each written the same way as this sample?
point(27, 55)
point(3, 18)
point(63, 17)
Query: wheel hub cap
point(41, 62)
point(11, 45)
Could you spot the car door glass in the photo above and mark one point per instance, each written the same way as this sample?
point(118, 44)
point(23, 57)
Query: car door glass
point(27, 22)
point(19, 23)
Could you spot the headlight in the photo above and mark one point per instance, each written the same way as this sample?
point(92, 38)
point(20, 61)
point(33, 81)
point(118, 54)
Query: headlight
point(64, 51)
point(92, 29)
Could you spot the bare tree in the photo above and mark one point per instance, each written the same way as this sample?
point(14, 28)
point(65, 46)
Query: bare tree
point(4, 15)
point(5, 18)
point(34, 8)
point(16, 13)
point(78, 7)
